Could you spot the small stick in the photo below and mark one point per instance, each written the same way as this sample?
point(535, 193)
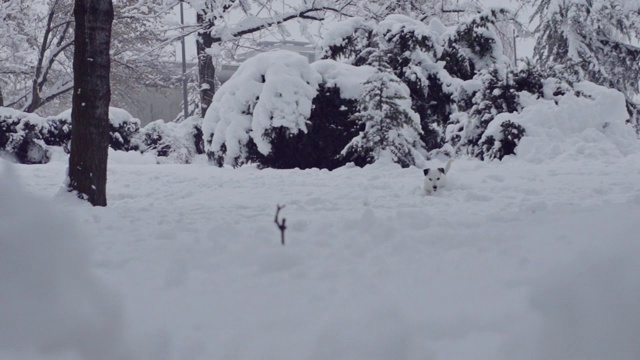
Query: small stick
point(282, 225)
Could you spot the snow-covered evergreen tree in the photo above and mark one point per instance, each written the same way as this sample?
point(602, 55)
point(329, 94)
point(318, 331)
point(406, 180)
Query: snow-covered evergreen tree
point(480, 100)
point(590, 40)
point(391, 128)
point(431, 59)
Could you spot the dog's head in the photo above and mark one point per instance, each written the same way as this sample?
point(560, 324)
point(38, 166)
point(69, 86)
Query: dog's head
point(434, 179)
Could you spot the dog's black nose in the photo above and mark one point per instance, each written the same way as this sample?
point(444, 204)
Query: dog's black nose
point(435, 188)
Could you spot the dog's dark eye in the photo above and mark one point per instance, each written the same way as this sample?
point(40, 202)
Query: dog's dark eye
point(438, 179)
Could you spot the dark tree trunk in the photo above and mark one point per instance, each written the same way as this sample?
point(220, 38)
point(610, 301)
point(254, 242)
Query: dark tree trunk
point(206, 69)
point(1, 98)
point(91, 97)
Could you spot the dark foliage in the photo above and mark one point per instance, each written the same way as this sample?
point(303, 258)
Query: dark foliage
point(198, 137)
point(121, 136)
point(22, 139)
point(154, 138)
point(27, 141)
point(510, 133)
point(57, 132)
point(329, 130)
point(498, 94)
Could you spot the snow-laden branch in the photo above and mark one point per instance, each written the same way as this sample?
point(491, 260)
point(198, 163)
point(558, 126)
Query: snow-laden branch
point(254, 24)
point(62, 87)
point(60, 47)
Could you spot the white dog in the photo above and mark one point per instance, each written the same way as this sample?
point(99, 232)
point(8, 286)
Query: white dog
point(435, 178)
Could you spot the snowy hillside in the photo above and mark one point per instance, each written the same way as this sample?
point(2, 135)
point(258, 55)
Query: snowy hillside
point(514, 260)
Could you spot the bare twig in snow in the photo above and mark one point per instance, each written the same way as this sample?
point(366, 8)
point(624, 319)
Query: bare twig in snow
point(281, 225)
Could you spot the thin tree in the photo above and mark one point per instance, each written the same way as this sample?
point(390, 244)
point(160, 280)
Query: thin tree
point(36, 52)
point(206, 68)
point(90, 103)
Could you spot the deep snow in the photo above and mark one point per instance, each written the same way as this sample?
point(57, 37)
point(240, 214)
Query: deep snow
point(514, 260)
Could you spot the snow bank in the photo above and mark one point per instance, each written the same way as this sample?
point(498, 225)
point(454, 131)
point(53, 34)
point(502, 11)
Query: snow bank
point(585, 305)
point(51, 302)
point(592, 125)
point(372, 269)
point(131, 157)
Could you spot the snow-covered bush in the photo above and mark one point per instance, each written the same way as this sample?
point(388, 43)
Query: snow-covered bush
point(21, 136)
point(27, 137)
point(501, 142)
point(266, 102)
point(57, 132)
point(390, 126)
point(431, 59)
point(490, 93)
point(479, 101)
point(330, 125)
point(122, 128)
point(172, 142)
point(499, 114)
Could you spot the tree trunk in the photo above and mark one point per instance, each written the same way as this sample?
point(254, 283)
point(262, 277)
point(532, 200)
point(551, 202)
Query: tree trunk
point(1, 98)
point(34, 104)
point(206, 69)
point(90, 103)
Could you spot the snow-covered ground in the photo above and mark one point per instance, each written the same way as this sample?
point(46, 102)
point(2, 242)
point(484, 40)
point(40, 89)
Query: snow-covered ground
point(514, 260)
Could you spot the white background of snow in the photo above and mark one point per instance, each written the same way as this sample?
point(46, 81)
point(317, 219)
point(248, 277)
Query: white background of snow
point(498, 266)
point(51, 299)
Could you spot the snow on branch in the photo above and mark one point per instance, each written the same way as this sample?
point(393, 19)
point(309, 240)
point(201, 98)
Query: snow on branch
point(254, 24)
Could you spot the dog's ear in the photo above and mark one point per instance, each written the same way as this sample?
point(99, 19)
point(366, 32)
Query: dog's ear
point(426, 172)
point(441, 170)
